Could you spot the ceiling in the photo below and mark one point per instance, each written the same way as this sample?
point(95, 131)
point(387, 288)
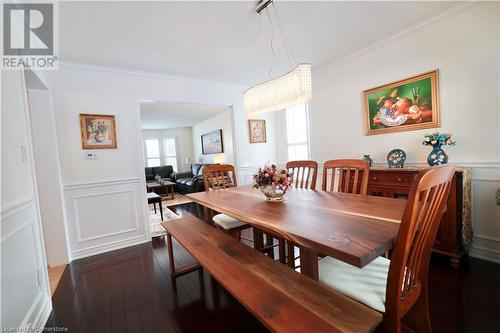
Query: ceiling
point(163, 115)
point(217, 40)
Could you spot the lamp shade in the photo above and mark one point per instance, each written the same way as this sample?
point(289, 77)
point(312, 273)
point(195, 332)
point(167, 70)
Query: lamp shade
point(288, 90)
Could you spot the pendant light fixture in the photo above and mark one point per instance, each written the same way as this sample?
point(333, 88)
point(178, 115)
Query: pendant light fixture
point(285, 91)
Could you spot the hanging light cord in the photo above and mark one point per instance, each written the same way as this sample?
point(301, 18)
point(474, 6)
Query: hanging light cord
point(256, 51)
point(272, 37)
point(284, 36)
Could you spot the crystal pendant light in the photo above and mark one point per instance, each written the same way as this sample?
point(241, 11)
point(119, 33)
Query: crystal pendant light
point(288, 90)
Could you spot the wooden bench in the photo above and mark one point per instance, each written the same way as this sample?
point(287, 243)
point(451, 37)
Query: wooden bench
point(282, 299)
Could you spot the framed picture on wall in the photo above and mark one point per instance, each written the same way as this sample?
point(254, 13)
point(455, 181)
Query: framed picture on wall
point(98, 131)
point(257, 131)
point(404, 105)
point(211, 143)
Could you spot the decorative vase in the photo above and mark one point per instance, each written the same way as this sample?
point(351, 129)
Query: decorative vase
point(272, 193)
point(99, 137)
point(437, 156)
point(368, 159)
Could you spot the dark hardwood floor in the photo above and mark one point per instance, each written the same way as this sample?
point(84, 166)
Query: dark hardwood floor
point(130, 290)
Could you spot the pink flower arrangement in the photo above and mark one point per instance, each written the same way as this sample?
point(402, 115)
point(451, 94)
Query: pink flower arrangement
point(281, 179)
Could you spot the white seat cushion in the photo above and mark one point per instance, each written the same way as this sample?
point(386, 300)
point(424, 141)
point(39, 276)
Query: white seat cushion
point(227, 222)
point(366, 285)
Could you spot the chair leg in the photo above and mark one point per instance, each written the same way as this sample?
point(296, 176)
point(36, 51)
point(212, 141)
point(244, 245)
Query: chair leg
point(418, 316)
point(291, 255)
point(282, 250)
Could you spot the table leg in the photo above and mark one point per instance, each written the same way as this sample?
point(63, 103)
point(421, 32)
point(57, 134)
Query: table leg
point(173, 195)
point(154, 205)
point(161, 210)
point(258, 239)
point(309, 263)
point(269, 242)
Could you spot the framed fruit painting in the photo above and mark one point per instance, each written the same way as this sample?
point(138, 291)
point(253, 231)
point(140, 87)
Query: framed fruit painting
point(404, 105)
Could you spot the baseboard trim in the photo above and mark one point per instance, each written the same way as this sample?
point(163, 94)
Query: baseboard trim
point(37, 316)
point(99, 249)
point(484, 253)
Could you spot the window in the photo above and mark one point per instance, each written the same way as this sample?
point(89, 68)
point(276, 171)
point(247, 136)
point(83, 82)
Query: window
point(297, 132)
point(170, 154)
point(153, 152)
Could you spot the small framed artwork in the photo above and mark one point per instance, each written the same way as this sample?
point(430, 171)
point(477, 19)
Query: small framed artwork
point(404, 105)
point(98, 131)
point(211, 143)
point(257, 131)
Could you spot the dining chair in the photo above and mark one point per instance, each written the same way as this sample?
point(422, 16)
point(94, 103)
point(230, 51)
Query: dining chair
point(398, 287)
point(221, 177)
point(352, 176)
point(218, 178)
point(304, 173)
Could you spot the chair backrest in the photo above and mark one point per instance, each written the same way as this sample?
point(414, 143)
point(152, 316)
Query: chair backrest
point(407, 278)
point(219, 177)
point(303, 171)
point(352, 176)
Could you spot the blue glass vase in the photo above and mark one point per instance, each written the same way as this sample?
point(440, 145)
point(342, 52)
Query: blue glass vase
point(437, 156)
point(368, 159)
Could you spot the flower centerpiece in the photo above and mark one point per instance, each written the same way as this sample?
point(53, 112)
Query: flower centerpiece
point(273, 182)
point(436, 140)
point(98, 129)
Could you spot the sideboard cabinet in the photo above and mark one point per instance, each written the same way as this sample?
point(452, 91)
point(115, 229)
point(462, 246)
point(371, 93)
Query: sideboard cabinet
point(396, 183)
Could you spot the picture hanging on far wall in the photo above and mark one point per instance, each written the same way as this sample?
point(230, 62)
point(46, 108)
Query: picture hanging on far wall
point(98, 131)
point(404, 105)
point(257, 131)
point(211, 143)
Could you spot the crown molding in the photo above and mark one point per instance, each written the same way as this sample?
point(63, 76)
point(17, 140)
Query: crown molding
point(394, 37)
point(155, 75)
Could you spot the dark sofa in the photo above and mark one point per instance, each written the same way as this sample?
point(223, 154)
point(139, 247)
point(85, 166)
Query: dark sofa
point(190, 181)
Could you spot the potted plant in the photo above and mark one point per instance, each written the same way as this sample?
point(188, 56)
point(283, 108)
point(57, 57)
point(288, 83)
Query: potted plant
point(273, 182)
point(436, 140)
point(98, 129)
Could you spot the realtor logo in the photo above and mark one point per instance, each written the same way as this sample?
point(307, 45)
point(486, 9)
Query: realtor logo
point(28, 36)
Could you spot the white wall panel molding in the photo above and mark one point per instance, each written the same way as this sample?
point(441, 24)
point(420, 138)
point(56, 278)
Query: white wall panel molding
point(27, 302)
point(106, 215)
point(73, 186)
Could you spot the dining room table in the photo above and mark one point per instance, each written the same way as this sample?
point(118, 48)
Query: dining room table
point(353, 228)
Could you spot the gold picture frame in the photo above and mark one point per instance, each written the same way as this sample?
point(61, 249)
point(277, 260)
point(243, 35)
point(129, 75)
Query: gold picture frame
point(404, 105)
point(257, 131)
point(98, 131)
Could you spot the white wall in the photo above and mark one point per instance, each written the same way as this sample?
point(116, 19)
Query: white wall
point(48, 175)
point(465, 47)
point(222, 121)
point(24, 292)
point(183, 141)
point(99, 185)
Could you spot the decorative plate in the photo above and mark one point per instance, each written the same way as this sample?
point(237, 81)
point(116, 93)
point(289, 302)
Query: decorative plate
point(396, 158)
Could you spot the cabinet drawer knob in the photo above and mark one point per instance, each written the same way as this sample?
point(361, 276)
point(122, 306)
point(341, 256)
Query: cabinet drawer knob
point(374, 178)
point(400, 180)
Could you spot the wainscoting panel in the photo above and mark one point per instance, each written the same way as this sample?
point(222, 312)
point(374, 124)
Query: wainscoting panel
point(25, 293)
point(104, 216)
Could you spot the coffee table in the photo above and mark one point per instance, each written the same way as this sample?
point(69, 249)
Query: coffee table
point(168, 185)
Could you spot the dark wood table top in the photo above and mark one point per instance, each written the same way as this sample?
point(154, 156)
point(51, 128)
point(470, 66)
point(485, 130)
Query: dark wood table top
point(350, 227)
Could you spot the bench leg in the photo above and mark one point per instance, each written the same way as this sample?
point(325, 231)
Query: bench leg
point(161, 211)
point(173, 272)
point(154, 205)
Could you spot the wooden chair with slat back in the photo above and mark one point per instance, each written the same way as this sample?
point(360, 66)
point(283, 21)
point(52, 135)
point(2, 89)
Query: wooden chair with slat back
point(305, 173)
point(221, 177)
point(352, 176)
point(398, 287)
point(218, 178)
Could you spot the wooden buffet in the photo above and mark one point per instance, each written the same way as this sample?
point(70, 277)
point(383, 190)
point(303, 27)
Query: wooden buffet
point(396, 183)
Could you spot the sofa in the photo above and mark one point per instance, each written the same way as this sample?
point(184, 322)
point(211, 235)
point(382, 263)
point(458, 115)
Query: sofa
point(190, 181)
point(164, 171)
